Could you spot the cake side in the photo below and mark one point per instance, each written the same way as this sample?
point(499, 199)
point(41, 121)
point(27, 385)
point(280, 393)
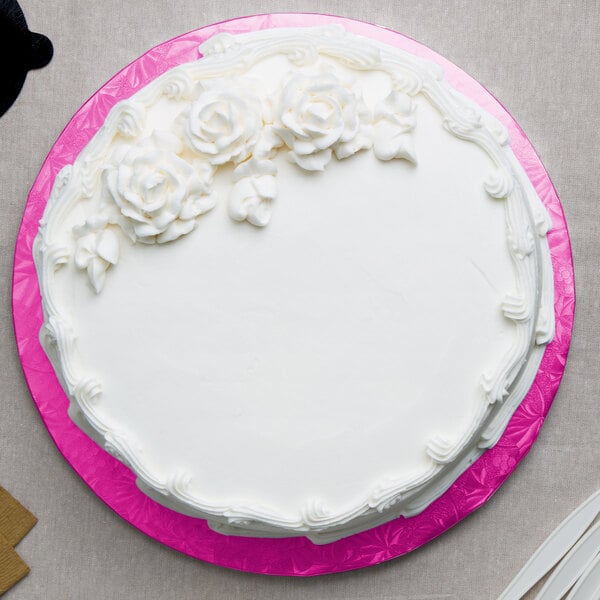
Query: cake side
point(311, 95)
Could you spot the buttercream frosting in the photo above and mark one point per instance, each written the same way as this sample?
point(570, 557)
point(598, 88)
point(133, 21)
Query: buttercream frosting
point(340, 358)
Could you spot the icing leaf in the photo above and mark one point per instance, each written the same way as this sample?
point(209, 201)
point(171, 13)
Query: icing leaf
point(97, 273)
point(107, 246)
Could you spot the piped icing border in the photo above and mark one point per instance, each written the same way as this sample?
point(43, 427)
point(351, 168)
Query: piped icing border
point(252, 197)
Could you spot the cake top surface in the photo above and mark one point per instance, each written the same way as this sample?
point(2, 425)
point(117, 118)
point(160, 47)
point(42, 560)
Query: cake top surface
point(294, 216)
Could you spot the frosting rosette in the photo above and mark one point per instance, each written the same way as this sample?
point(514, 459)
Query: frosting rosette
point(178, 85)
point(158, 194)
point(223, 125)
point(318, 114)
point(130, 118)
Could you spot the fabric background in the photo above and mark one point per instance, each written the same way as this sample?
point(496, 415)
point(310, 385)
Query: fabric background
point(540, 60)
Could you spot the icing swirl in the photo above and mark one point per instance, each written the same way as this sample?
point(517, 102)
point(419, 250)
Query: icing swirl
point(223, 125)
point(318, 114)
point(159, 195)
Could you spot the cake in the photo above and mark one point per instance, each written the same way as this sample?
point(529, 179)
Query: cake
point(297, 286)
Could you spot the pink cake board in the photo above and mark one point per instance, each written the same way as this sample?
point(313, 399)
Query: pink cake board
point(115, 484)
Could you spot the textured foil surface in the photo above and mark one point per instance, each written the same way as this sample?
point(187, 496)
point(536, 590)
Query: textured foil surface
point(114, 483)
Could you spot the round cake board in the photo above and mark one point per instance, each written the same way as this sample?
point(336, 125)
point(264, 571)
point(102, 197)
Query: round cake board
point(115, 484)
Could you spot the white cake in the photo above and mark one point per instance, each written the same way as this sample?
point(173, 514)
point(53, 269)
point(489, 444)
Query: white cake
point(298, 286)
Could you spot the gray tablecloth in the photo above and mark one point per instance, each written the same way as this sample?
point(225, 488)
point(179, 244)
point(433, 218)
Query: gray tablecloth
point(541, 60)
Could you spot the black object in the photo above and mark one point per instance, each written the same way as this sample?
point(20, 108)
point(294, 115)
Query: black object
point(20, 51)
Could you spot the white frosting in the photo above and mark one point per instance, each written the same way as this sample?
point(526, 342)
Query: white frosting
point(319, 114)
point(344, 360)
point(158, 194)
point(254, 190)
point(223, 125)
point(392, 126)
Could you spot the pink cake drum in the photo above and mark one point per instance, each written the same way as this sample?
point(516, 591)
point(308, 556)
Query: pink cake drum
point(115, 484)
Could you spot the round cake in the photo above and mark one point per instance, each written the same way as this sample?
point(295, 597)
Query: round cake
point(298, 286)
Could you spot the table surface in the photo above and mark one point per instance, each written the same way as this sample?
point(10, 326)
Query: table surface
point(539, 60)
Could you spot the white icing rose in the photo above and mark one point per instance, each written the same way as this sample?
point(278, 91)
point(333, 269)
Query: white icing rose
point(159, 195)
point(178, 85)
point(131, 118)
point(317, 114)
point(223, 125)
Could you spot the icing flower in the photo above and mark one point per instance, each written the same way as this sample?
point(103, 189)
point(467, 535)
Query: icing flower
point(159, 195)
point(253, 191)
point(178, 85)
point(318, 114)
point(96, 250)
point(394, 122)
point(223, 125)
point(131, 117)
